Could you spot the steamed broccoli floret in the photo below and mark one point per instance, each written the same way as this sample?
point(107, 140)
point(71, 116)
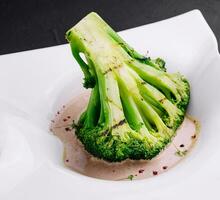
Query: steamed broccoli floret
point(135, 106)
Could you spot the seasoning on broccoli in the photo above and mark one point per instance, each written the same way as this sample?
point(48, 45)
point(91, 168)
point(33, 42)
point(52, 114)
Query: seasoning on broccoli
point(135, 106)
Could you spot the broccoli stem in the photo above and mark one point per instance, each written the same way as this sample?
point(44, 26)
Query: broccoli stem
point(131, 111)
point(93, 108)
point(156, 78)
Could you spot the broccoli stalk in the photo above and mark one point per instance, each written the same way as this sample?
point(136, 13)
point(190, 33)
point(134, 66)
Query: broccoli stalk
point(135, 106)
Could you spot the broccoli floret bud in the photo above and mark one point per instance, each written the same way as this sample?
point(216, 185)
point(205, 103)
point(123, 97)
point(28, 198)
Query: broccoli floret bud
point(135, 106)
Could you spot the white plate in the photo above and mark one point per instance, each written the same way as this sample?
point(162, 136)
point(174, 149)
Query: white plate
point(35, 84)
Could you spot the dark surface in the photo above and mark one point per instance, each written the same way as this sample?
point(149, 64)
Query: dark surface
point(31, 24)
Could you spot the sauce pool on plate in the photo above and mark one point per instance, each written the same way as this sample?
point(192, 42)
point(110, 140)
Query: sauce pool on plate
point(77, 159)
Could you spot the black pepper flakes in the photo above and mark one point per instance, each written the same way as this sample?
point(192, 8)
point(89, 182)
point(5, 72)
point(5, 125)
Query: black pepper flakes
point(67, 129)
point(193, 136)
point(164, 167)
point(155, 173)
point(141, 171)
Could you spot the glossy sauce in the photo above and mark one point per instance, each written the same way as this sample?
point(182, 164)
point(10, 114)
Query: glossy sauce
point(77, 159)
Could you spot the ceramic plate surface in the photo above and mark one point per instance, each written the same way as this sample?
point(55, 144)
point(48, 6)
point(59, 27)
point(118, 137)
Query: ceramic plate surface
point(34, 85)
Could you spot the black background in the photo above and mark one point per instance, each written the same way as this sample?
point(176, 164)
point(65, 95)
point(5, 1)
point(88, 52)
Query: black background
point(31, 24)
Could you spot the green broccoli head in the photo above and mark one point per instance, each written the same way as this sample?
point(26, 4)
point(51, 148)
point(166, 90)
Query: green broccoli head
point(135, 106)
